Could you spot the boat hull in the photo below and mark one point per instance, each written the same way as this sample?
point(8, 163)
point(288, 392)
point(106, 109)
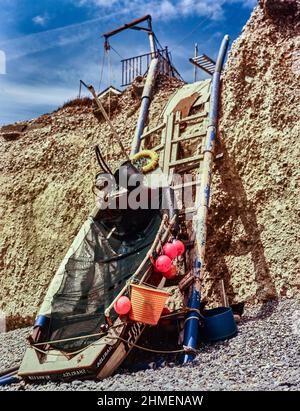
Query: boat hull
point(94, 362)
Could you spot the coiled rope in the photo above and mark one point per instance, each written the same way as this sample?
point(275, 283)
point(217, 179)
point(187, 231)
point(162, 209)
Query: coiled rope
point(102, 334)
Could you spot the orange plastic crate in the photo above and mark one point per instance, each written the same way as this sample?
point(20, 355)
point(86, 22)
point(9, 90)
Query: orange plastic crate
point(147, 304)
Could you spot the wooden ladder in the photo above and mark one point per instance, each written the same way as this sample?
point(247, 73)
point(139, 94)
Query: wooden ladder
point(176, 131)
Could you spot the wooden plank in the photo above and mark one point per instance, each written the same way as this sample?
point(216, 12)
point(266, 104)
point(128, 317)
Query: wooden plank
point(197, 158)
point(153, 130)
point(158, 147)
point(174, 146)
point(188, 184)
point(191, 166)
point(190, 137)
point(162, 145)
point(188, 210)
point(168, 145)
point(193, 117)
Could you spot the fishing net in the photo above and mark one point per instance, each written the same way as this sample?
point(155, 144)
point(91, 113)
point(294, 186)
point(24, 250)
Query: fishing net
point(108, 255)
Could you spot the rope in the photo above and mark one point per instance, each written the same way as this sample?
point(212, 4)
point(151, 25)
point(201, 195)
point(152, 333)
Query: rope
point(117, 52)
point(72, 339)
point(189, 33)
point(184, 311)
point(136, 71)
point(184, 349)
point(101, 161)
point(113, 130)
point(82, 337)
point(101, 71)
point(110, 83)
point(72, 353)
point(157, 42)
point(193, 317)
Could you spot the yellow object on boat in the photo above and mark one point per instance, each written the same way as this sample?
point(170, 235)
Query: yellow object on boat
point(152, 164)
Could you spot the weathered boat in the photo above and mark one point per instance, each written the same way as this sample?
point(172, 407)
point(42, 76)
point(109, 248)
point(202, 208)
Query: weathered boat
point(72, 337)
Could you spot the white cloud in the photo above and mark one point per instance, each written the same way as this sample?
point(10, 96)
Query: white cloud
point(70, 34)
point(61, 36)
point(36, 42)
point(40, 95)
point(250, 3)
point(21, 102)
point(40, 20)
point(104, 3)
point(212, 9)
point(167, 9)
point(2, 62)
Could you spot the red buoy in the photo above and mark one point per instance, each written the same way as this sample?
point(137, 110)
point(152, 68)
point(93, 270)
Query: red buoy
point(123, 305)
point(171, 273)
point(170, 250)
point(163, 263)
point(180, 247)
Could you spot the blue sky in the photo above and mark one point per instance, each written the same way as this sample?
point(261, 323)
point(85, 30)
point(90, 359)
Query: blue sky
point(50, 45)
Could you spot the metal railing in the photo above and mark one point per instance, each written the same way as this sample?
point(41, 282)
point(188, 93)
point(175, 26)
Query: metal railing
point(139, 65)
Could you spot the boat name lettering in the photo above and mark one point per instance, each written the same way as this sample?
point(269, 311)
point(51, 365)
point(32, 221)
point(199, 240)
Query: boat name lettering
point(101, 359)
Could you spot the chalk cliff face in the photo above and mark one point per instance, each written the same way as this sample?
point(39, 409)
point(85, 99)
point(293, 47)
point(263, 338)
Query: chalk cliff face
point(254, 219)
point(48, 167)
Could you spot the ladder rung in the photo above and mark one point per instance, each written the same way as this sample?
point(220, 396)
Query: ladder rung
point(188, 184)
point(190, 137)
point(193, 117)
point(186, 160)
point(205, 63)
point(206, 58)
point(210, 72)
point(153, 130)
point(188, 210)
point(158, 147)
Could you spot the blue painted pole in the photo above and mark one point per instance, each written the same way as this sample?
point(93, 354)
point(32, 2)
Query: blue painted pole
point(9, 380)
point(203, 194)
point(146, 100)
point(192, 320)
point(202, 203)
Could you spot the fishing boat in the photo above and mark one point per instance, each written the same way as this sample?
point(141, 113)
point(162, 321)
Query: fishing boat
point(78, 334)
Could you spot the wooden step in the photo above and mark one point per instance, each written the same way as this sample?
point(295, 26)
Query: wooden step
point(193, 117)
point(189, 137)
point(188, 184)
point(153, 130)
point(194, 159)
point(188, 210)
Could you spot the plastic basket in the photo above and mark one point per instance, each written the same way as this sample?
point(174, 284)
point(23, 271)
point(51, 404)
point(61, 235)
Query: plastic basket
point(146, 304)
